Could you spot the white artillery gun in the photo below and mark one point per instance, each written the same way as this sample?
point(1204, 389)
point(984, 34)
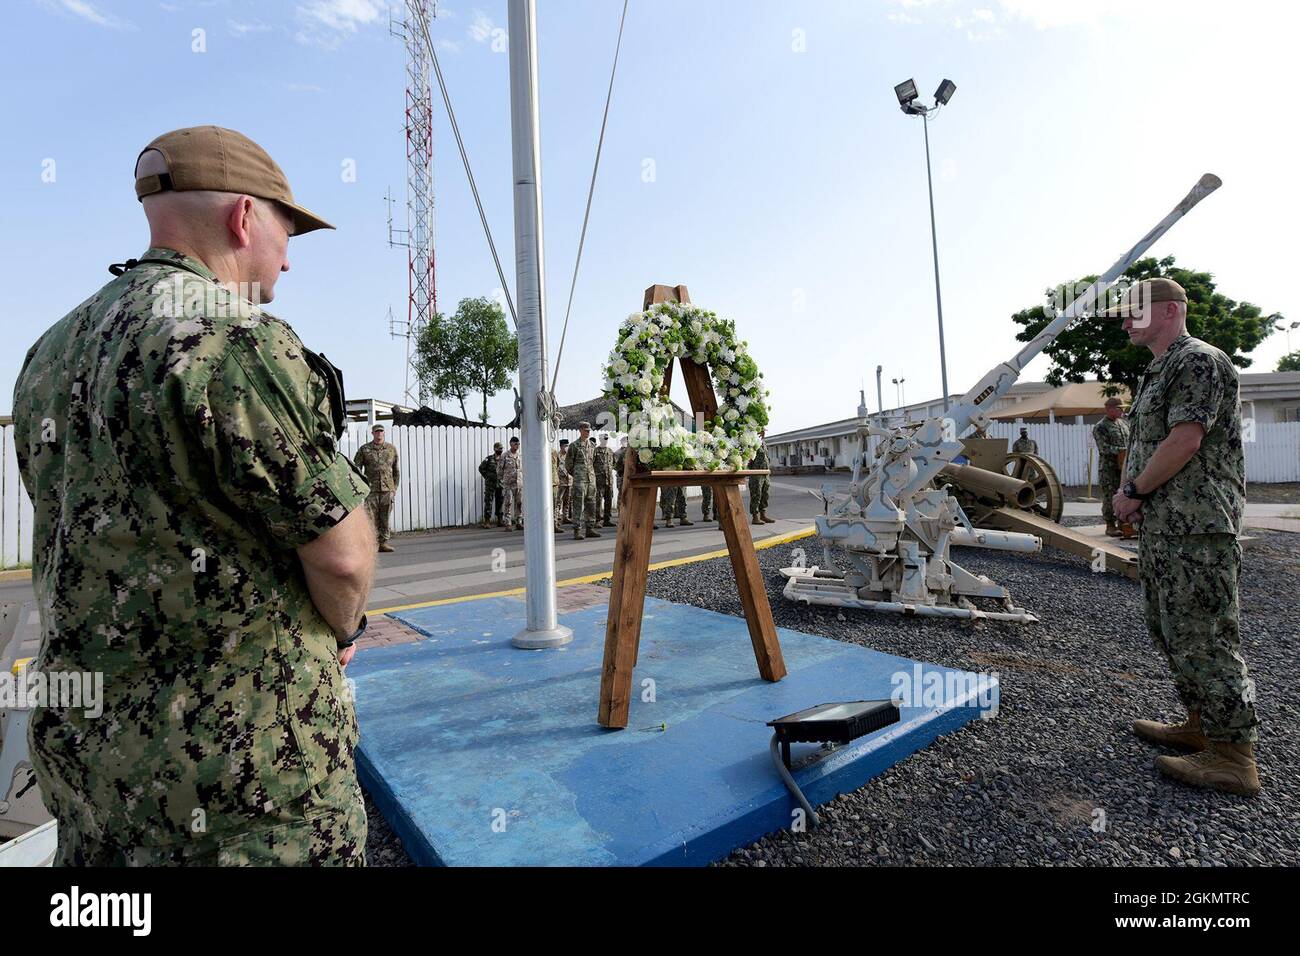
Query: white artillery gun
point(895, 529)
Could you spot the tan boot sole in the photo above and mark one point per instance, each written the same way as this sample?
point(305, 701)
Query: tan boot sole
point(1244, 783)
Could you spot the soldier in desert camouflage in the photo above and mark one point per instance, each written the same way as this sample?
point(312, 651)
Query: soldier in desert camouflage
point(200, 539)
point(377, 460)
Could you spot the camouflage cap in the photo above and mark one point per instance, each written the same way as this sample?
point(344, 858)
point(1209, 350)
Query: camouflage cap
point(1146, 292)
point(211, 157)
point(377, 427)
point(582, 425)
point(497, 446)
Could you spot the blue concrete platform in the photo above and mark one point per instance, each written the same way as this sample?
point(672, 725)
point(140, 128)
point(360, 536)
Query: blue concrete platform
point(481, 754)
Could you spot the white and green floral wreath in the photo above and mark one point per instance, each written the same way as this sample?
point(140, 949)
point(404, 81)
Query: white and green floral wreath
point(647, 342)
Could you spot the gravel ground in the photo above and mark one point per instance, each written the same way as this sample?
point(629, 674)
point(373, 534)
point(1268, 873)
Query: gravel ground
point(1025, 788)
point(1280, 493)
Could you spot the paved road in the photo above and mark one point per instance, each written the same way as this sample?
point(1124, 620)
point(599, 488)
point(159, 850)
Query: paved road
point(460, 562)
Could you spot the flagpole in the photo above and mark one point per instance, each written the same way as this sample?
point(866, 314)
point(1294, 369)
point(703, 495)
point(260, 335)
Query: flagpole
point(543, 628)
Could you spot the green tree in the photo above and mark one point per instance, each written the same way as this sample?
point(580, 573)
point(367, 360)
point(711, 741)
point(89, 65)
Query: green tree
point(491, 349)
point(442, 361)
point(1095, 347)
point(1289, 363)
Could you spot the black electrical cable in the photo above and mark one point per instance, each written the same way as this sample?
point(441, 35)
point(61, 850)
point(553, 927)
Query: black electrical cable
point(793, 787)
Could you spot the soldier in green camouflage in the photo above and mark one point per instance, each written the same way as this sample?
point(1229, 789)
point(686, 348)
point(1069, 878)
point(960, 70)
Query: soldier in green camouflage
point(760, 486)
point(1185, 483)
point(709, 508)
point(487, 468)
point(1024, 445)
point(580, 463)
point(604, 481)
point(672, 504)
point(566, 485)
point(377, 460)
point(200, 539)
point(620, 463)
point(558, 477)
point(1110, 435)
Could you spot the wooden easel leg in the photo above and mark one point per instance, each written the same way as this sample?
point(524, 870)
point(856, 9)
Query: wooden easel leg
point(749, 582)
point(626, 604)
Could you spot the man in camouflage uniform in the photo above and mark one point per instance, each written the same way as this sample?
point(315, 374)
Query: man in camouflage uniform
point(1185, 482)
point(580, 463)
point(709, 509)
point(558, 476)
point(566, 485)
point(200, 539)
point(511, 475)
point(672, 504)
point(491, 486)
point(1024, 444)
point(760, 486)
point(604, 481)
point(1111, 438)
point(377, 460)
point(620, 462)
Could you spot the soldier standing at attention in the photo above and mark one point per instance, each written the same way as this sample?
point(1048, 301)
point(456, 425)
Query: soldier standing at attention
point(511, 475)
point(566, 485)
point(1024, 444)
point(620, 462)
point(672, 503)
point(491, 486)
point(580, 463)
point(377, 460)
point(1185, 482)
point(709, 508)
point(604, 480)
point(201, 540)
point(760, 486)
point(1111, 438)
point(558, 475)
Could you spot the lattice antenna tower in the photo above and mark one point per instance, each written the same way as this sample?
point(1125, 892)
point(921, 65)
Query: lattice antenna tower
point(417, 237)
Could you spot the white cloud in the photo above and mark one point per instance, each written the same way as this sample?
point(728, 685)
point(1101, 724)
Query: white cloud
point(242, 27)
point(480, 31)
point(447, 46)
point(87, 11)
point(327, 23)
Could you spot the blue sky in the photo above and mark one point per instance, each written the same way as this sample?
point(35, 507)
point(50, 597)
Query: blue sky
point(788, 189)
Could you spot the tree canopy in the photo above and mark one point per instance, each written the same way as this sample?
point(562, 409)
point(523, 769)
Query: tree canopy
point(1289, 362)
point(471, 351)
point(1093, 347)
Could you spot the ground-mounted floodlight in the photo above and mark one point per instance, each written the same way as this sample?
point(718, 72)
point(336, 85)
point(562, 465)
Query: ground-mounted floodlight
point(944, 93)
point(836, 723)
point(906, 92)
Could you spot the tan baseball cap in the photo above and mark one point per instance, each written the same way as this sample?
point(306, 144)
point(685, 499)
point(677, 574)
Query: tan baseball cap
point(211, 157)
point(1146, 292)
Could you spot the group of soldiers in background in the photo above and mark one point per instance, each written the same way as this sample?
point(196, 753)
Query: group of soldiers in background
point(586, 479)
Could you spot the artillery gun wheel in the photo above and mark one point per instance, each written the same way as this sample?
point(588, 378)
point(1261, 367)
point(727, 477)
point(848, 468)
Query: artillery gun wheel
point(1049, 500)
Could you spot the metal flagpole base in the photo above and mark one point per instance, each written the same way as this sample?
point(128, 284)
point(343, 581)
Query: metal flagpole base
point(539, 640)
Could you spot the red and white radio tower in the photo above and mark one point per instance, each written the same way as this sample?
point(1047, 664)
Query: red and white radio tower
point(417, 237)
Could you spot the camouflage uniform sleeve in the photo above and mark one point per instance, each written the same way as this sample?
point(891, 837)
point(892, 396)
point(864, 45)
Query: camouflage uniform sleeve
point(397, 471)
point(264, 421)
point(1195, 393)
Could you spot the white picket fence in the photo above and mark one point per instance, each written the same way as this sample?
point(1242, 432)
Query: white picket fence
point(441, 486)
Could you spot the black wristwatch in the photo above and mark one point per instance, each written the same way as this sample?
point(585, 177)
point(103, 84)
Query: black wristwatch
point(361, 629)
point(1130, 491)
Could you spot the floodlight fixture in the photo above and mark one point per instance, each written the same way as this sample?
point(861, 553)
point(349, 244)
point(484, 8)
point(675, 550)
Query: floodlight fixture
point(944, 93)
point(906, 92)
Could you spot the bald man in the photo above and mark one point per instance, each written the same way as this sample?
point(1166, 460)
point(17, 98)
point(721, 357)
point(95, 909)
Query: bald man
point(201, 541)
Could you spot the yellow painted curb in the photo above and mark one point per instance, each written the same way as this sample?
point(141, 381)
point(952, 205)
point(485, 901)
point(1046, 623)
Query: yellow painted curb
point(602, 575)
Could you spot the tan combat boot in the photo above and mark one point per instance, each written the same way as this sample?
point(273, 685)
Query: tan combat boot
point(1223, 766)
point(685, 522)
point(1112, 529)
point(755, 519)
point(765, 519)
point(386, 548)
point(668, 523)
point(1186, 736)
point(593, 533)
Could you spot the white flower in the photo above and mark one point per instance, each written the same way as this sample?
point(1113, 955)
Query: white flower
point(620, 367)
point(743, 402)
point(732, 414)
point(646, 456)
point(644, 386)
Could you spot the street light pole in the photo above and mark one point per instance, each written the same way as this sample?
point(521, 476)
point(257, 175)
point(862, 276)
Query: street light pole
point(934, 245)
point(907, 100)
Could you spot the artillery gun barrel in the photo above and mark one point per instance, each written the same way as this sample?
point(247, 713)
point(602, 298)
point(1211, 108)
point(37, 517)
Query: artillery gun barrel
point(1013, 491)
point(997, 540)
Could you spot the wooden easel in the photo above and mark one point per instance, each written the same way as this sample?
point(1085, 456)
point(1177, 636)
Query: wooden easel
point(636, 512)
